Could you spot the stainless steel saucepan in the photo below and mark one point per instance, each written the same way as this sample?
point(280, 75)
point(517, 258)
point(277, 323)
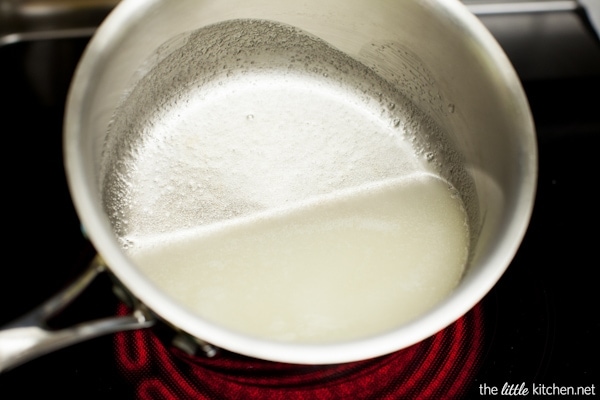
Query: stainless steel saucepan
point(341, 95)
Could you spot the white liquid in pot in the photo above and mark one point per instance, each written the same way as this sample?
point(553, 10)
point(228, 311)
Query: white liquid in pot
point(279, 188)
point(337, 268)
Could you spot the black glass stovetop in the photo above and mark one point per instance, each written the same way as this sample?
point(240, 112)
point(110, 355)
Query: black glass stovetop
point(541, 320)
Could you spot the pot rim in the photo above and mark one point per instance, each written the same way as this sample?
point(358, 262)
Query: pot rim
point(473, 288)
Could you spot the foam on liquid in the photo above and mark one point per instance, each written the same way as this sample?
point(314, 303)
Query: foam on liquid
point(336, 268)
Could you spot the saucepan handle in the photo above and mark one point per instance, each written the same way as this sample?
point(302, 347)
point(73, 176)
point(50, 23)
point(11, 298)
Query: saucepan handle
point(29, 336)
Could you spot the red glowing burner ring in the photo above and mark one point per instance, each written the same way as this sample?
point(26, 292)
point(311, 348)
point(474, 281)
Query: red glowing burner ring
point(440, 367)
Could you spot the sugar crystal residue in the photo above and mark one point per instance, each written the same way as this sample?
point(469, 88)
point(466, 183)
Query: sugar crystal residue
point(274, 185)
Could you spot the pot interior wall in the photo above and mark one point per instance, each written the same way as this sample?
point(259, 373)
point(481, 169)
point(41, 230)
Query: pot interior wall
point(436, 66)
